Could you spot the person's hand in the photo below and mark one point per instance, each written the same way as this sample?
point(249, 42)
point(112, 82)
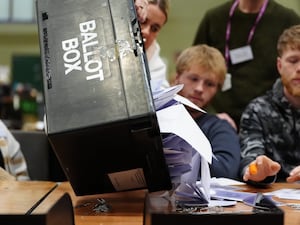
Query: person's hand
point(141, 9)
point(264, 167)
point(294, 175)
point(225, 116)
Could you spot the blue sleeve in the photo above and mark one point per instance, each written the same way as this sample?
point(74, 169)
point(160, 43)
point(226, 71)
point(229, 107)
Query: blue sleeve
point(225, 146)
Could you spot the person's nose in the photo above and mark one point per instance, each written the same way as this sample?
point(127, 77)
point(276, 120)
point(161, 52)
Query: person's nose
point(145, 31)
point(199, 87)
point(298, 67)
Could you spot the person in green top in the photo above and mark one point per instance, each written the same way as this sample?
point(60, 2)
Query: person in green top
point(246, 32)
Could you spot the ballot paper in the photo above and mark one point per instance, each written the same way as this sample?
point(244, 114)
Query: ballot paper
point(176, 119)
point(185, 145)
point(286, 193)
point(163, 97)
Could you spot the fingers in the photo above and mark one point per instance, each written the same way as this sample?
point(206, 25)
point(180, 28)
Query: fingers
point(269, 166)
point(261, 168)
point(294, 175)
point(246, 175)
point(275, 167)
point(250, 171)
point(253, 172)
point(141, 9)
point(293, 178)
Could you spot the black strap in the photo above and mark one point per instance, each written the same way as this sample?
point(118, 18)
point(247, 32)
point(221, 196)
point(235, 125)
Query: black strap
point(1, 160)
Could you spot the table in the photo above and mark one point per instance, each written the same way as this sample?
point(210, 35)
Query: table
point(21, 197)
point(291, 216)
point(126, 207)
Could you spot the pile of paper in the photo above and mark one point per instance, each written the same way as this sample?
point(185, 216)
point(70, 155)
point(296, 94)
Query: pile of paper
point(185, 145)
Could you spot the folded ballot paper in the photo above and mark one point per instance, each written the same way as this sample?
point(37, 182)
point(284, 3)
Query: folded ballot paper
point(185, 145)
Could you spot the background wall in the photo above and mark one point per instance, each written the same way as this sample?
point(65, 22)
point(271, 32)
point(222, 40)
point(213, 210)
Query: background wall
point(183, 22)
point(177, 34)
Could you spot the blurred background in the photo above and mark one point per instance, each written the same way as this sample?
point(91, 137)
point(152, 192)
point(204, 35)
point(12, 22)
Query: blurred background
point(21, 100)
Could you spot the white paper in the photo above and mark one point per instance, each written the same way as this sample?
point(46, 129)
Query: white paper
point(287, 193)
point(162, 97)
point(175, 119)
point(205, 178)
point(187, 102)
point(222, 181)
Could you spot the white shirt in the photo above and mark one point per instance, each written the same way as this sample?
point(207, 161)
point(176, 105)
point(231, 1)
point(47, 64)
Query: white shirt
point(157, 67)
point(13, 157)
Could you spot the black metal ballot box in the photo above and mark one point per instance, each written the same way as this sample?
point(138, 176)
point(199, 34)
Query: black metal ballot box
point(99, 112)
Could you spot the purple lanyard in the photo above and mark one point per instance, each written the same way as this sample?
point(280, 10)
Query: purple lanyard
point(251, 33)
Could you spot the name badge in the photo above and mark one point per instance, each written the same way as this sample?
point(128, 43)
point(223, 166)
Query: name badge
point(241, 54)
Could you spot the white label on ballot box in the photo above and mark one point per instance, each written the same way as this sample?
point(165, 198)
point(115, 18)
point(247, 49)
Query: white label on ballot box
point(129, 179)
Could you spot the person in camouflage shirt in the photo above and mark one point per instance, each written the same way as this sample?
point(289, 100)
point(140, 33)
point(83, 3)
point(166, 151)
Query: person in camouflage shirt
point(270, 124)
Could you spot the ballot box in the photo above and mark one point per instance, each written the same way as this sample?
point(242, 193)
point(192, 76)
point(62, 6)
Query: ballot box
point(161, 210)
point(99, 112)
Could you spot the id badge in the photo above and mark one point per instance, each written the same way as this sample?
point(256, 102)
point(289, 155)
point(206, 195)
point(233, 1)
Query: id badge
point(242, 54)
point(227, 82)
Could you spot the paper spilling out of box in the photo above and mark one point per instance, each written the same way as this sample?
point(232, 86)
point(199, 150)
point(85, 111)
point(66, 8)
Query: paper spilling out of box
point(185, 145)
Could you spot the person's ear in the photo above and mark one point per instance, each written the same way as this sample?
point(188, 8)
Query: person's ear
point(278, 63)
point(176, 80)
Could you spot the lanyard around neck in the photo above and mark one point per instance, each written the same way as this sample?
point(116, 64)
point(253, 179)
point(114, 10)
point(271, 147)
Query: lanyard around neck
point(252, 30)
